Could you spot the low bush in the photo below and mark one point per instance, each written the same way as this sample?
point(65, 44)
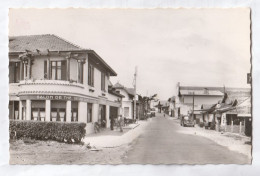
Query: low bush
point(72, 132)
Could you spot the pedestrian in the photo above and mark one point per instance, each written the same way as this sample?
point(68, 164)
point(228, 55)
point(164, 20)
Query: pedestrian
point(111, 123)
point(120, 122)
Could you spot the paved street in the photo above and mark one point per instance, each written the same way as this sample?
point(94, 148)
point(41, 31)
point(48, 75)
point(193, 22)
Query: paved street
point(161, 143)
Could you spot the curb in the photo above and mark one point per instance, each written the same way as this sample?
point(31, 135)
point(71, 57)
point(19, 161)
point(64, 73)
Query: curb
point(123, 138)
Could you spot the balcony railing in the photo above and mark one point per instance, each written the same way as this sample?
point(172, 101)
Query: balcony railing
point(46, 86)
point(50, 82)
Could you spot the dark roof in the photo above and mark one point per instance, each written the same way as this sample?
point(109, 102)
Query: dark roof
point(40, 42)
point(130, 91)
point(118, 86)
point(243, 107)
point(51, 42)
point(113, 92)
point(207, 106)
point(164, 102)
point(171, 99)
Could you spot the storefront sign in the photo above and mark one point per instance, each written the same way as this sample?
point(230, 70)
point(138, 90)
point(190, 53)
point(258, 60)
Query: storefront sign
point(53, 97)
point(57, 97)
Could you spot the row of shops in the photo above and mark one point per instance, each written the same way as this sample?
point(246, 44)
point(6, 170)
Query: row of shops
point(227, 117)
point(216, 108)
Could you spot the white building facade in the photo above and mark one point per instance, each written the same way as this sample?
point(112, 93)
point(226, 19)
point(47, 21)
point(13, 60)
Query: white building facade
point(127, 100)
point(189, 95)
point(51, 79)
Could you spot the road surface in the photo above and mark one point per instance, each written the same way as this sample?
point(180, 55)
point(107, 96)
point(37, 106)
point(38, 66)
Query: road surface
point(161, 143)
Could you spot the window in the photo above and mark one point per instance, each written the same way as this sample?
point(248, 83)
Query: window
point(74, 115)
point(74, 111)
point(89, 116)
point(58, 70)
point(80, 72)
point(126, 111)
point(14, 72)
point(91, 75)
point(13, 109)
point(45, 70)
point(103, 83)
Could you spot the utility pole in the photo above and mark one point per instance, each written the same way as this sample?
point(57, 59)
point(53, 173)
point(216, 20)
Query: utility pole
point(135, 75)
point(193, 106)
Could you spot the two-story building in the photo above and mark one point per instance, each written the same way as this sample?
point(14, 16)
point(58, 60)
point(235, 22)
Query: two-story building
point(127, 101)
point(189, 96)
point(51, 79)
point(205, 100)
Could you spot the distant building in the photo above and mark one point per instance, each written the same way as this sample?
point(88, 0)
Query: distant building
point(127, 101)
point(200, 95)
point(211, 106)
point(164, 106)
point(154, 105)
point(172, 106)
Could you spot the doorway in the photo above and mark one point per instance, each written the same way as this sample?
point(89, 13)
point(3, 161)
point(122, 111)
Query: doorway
point(102, 116)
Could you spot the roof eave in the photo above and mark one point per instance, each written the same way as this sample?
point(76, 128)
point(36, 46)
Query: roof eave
point(112, 72)
point(83, 50)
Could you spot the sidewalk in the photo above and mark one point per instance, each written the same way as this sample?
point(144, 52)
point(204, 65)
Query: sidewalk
point(232, 141)
point(110, 139)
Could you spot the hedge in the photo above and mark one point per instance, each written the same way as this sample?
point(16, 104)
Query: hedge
point(68, 132)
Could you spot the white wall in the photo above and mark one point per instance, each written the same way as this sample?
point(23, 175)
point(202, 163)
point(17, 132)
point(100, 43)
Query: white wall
point(73, 89)
point(198, 100)
point(112, 97)
point(38, 67)
point(74, 69)
point(130, 105)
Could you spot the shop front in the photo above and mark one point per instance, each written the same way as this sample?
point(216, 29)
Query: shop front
point(64, 108)
point(61, 108)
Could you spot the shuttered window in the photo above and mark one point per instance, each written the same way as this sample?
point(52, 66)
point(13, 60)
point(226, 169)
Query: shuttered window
point(91, 75)
point(45, 70)
point(58, 70)
point(80, 72)
point(14, 72)
point(103, 83)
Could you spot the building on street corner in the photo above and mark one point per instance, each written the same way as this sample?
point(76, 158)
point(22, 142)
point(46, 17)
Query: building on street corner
point(51, 79)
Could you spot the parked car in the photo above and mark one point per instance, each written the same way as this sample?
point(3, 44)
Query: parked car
point(153, 112)
point(209, 125)
point(149, 114)
point(187, 121)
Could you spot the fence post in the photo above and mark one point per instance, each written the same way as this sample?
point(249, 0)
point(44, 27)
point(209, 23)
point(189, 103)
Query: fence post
point(232, 126)
point(240, 127)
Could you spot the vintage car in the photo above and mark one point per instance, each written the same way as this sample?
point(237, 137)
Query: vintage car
point(187, 121)
point(149, 114)
point(153, 112)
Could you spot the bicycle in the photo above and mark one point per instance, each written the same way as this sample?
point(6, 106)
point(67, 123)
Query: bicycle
point(96, 127)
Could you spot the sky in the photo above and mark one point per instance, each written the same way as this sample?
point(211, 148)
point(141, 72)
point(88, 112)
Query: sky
point(196, 47)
